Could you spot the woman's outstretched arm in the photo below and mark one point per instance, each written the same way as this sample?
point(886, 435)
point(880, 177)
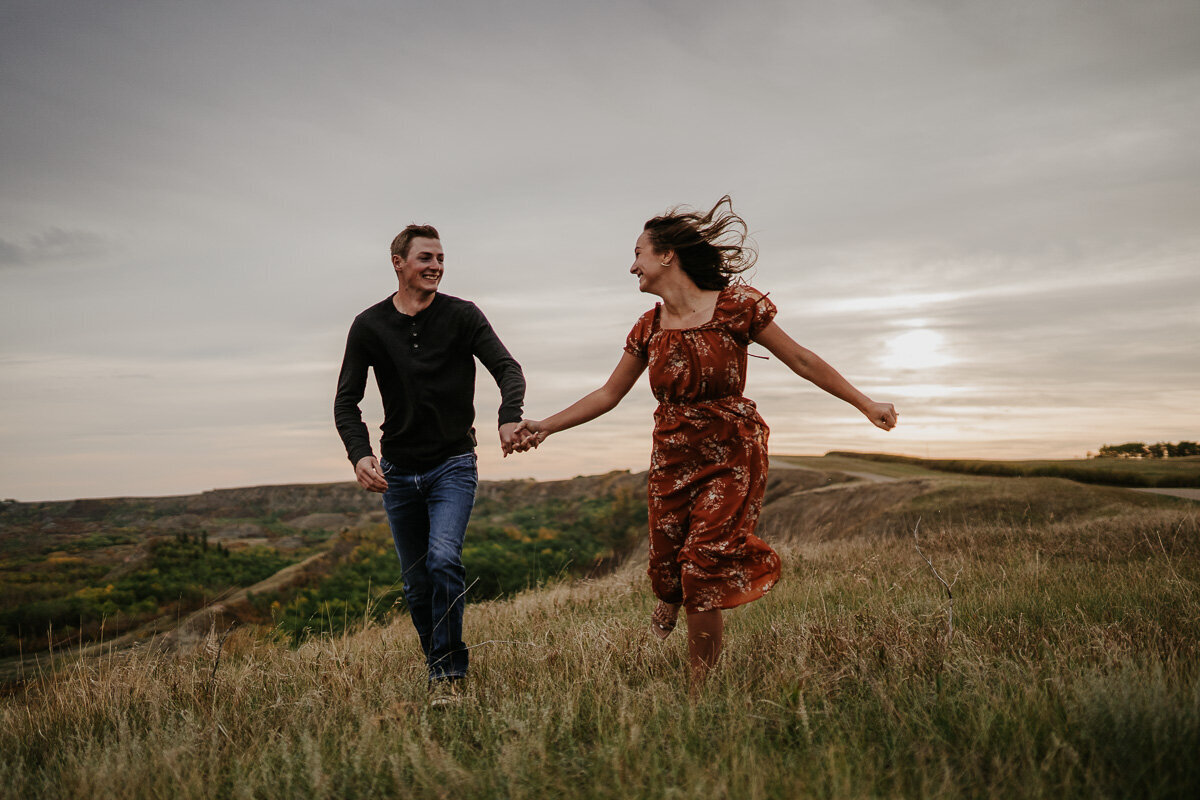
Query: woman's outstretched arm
point(811, 367)
point(587, 408)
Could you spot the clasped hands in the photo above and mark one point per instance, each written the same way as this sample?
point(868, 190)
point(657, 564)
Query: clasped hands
point(517, 437)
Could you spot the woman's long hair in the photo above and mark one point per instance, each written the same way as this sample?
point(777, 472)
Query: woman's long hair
point(711, 247)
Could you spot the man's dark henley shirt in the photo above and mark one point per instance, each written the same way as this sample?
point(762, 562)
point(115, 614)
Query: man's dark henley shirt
point(425, 370)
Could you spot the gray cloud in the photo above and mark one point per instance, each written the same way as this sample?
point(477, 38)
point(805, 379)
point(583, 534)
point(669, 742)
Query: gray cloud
point(222, 179)
point(53, 244)
point(11, 254)
point(57, 243)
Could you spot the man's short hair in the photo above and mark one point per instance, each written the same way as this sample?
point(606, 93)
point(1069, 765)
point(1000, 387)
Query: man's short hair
point(403, 239)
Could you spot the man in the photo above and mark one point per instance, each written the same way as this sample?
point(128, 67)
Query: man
point(422, 346)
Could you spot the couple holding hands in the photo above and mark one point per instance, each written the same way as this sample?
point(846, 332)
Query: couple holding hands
point(708, 465)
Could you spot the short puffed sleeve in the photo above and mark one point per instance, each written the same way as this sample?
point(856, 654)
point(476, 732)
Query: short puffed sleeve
point(638, 340)
point(749, 311)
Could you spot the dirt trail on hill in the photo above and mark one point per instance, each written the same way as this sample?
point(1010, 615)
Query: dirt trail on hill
point(1187, 494)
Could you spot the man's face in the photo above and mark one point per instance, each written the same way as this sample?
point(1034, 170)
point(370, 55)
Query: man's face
point(421, 271)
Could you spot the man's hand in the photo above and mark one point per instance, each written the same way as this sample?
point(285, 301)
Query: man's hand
point(514, 438)
point(369, 475)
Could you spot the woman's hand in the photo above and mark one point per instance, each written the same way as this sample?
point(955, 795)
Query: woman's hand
point(882, 415)
point(515, 440)
point(532, 432)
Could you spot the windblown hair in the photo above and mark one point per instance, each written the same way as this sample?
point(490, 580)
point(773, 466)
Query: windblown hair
point(404, 239)
point(711, 247)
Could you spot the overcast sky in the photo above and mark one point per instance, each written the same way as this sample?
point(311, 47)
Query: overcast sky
point(987, 213)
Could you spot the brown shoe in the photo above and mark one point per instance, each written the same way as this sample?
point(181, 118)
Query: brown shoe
point(662, 620)
point(444, 692)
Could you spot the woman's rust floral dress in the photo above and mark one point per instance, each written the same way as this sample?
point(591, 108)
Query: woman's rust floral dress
point(708, 467)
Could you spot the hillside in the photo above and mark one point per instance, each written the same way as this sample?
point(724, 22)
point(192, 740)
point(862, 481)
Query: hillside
point(298, 558)
point(1072, 669)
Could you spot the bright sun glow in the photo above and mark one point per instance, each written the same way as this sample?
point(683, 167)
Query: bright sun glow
point(917, 349)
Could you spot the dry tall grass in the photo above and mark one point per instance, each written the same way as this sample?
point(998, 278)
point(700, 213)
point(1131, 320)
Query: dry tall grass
point(1073, 672)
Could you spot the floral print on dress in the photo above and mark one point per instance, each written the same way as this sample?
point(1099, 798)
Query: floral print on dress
point(708, 465)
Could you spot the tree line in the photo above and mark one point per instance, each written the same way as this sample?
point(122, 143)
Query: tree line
point(1143, 450)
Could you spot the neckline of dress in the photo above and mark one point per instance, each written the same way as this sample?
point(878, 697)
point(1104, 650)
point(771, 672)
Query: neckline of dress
point(709, 321)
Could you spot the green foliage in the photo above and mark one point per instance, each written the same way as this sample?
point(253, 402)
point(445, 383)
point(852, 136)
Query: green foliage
point(528, 545)
point(192, 571)
point(1158, 450)
point(98, 541)
point(364, 586)
point(507, 549)
point(178, 576)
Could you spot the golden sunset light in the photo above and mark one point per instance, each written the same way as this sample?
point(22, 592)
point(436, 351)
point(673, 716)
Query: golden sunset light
point(917, 349)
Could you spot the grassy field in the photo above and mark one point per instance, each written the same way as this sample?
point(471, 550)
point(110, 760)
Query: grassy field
point(1072, 671)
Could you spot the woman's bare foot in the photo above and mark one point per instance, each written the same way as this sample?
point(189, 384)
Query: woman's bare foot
point(706, 635)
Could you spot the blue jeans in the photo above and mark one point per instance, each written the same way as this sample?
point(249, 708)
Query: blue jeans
point(428, 514)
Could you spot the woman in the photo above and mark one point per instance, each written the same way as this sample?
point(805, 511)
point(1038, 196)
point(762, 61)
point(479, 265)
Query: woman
point(708, 466)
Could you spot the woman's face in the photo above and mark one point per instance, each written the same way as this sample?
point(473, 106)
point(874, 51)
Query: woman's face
point(647, 263)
